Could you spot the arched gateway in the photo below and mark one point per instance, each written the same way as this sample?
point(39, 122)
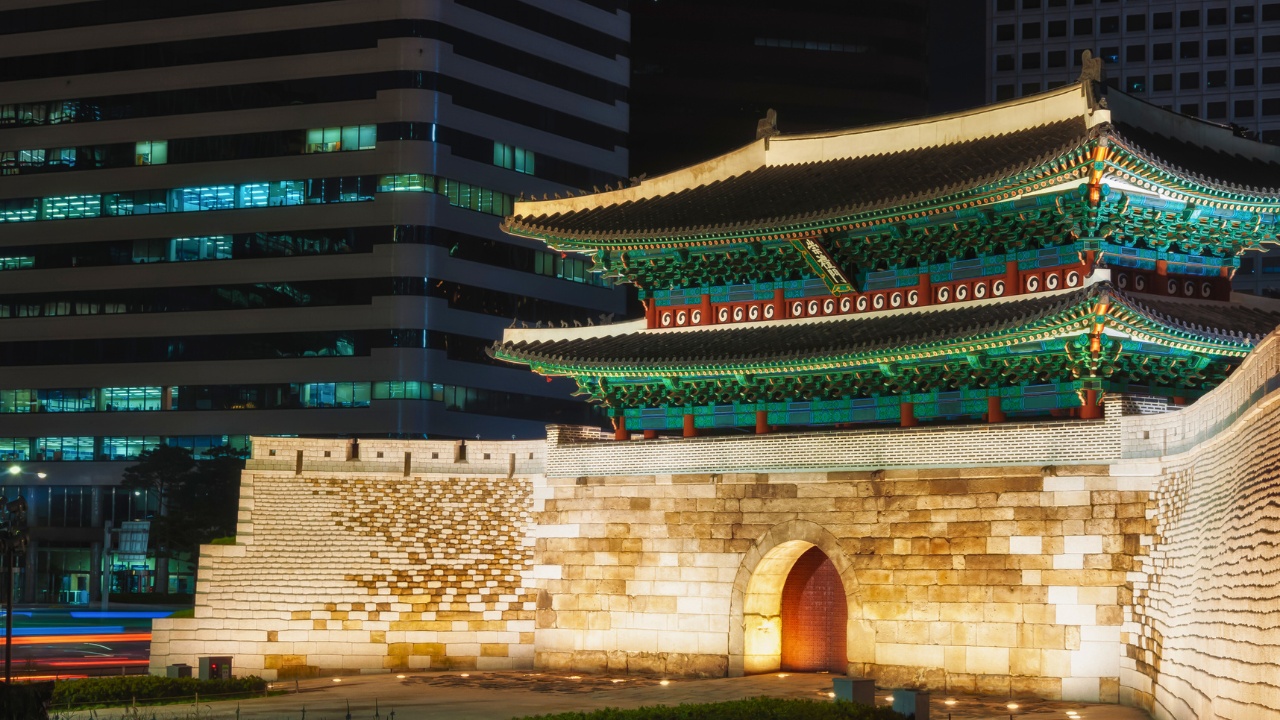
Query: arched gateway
point(795, 605)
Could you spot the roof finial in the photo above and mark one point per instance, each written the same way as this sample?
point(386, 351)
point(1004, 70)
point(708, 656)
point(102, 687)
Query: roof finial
point(1092, 80)
point(768, 125)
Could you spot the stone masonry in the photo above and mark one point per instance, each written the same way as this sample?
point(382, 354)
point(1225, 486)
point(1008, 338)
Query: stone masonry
point(1131, 558)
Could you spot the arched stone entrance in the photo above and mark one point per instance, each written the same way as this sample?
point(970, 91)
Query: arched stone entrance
point(814, 615)
point(756, 624)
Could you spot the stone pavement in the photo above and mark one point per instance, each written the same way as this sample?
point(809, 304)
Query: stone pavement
point(504, 695)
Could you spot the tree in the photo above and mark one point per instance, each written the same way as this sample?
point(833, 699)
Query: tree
point(194, 500)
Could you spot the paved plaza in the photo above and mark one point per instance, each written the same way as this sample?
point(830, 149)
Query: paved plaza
point(504, 695)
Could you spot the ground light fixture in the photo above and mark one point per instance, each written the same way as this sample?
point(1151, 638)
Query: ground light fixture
point(950, 703)
point(1012, 708)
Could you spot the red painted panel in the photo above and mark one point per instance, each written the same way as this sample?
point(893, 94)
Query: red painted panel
point(815, 616)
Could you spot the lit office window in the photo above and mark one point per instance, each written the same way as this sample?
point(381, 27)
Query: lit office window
point(130, 398)
point(198, 199)
point(151, 152)
point(68, 400)
point(127, 448)
point(413, 182)
point(17, 262)
point(65, 448)
point(217, 247)
point(17, 401)
point(67, 207)
point(343, 394)
point(334, 139)
point(15, 448)
point(513, 158)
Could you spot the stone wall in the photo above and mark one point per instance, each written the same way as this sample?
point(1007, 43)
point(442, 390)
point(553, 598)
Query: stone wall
point(399, 555)
point(1205, 642)
point(984, 579)
point(1133, 558)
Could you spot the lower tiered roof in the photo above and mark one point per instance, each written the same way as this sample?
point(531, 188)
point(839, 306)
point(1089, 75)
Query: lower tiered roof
point(1221, 328)
point(1048, 352)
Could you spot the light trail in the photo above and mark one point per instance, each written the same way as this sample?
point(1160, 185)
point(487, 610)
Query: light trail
point(114, 638)
point(105, 662)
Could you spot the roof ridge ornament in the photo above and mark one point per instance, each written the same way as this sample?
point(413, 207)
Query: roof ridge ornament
point(1093, 81)
point(767, 126)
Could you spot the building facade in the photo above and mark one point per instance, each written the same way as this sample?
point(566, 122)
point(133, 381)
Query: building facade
point(1219, 61)
point(965, 403)
point(280, 218)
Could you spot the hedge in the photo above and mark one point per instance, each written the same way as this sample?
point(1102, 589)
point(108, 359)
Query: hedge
point(760, 708)
point(125, 689)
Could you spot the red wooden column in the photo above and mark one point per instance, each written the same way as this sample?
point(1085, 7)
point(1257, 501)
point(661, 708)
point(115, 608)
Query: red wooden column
point(651, 313)
point(1162, 267)
point(1179, 400)
point(620, 428)
point(779, 304)
point(650, 434)
point(1012, 281)
point(907, 414)
point(995, 414)
point(926, 289)
point(762, 422)
point(706, 309)
point(1091, 410)
point(689, 429)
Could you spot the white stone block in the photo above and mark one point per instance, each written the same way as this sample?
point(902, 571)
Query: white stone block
point(1025, 544)
point(1081, 689)
point(1096, 659)
point(1068, 562)
point(1060, 595)
point(1082, 544)
point(1077, 614)
point(547, 572)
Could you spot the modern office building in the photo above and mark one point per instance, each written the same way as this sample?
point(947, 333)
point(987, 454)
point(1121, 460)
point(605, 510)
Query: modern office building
point(280, 217)
point(1218, 60)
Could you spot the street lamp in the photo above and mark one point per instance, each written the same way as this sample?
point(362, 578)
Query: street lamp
point(13, 540)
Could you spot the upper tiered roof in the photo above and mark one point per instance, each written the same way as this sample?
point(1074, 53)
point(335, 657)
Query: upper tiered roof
point(835, 180)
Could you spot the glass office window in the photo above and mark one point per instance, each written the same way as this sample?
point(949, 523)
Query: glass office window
point(67, 449)
point(131, 398)
point(68, 207)
point(522, 161)
point(128, 448)
point(17, 401)
point(199, 199)
point(217, 247)
point(15, 448)
point(151, 152)
point(67, 400)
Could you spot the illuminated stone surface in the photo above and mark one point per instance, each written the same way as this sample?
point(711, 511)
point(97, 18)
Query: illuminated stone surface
point(1145, 572)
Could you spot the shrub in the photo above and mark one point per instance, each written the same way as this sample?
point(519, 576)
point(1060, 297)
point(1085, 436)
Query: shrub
point(231, 540)
point(760, 708)
point(127, 688)
point(28, 699)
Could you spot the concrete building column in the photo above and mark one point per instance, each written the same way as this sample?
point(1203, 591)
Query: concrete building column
point(95, 573)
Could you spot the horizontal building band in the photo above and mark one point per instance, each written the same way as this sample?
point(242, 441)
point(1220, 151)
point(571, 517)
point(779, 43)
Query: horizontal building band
point(83, 14)
point(364, 86)
point(364, 415)
point(240, 196)
point(285, 143)
point(343, 242)
point(304, 41)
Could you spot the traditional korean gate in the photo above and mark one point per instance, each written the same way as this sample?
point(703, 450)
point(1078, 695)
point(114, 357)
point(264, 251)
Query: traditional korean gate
point(814, 616)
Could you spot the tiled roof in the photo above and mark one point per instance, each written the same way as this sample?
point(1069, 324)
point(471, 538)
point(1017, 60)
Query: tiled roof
point(787, 342)
point(1213, 167)
point(772, 195)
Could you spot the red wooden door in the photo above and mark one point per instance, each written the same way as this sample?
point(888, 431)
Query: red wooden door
point(814, 616)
